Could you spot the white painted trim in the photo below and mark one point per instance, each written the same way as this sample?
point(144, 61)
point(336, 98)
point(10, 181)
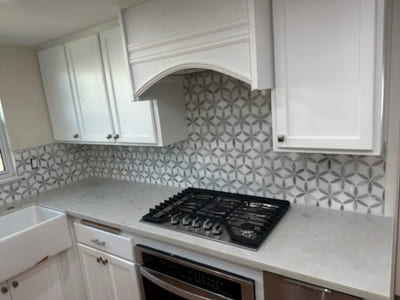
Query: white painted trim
point(7, 155)
point(192, 35)
point(240, 38)
point(173, 69)
point(79, 34)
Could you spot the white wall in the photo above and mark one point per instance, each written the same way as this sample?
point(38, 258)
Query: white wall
point(22, 97)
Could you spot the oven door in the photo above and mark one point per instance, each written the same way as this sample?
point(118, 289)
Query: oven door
point(168, 277)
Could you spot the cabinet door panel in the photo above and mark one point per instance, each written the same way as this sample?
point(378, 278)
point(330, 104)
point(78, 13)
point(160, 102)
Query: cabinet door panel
point(281, 288)
point(85, 59)
point(123, 278)
point(133, 121)
point(39, 283)
point(95, 274)
point(328, 74)
point(58, 90)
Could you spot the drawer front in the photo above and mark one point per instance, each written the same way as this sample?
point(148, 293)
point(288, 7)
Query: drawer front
point(117, 244)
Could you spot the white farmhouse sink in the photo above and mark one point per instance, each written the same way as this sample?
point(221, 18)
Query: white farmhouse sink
point(29, 235)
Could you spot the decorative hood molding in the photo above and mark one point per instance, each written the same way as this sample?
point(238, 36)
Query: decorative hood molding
point(230, 36)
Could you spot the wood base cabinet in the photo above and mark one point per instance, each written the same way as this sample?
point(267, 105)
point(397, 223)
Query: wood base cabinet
point(39, 283)
point(281, 288)
point(108, 277)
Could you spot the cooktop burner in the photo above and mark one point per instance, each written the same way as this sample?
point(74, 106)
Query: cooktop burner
point(231, 218)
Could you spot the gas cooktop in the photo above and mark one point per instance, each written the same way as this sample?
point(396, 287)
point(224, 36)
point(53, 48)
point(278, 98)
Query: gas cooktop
point(236, 219)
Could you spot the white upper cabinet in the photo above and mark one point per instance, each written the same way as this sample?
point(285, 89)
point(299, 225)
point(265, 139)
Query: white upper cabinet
point(58, 89)
point(90, 98)
point(329, 76)
point(230, 36)
point(134, 121)
point(90, 92)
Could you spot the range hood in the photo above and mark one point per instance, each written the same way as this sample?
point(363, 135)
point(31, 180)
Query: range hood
point(233, 37)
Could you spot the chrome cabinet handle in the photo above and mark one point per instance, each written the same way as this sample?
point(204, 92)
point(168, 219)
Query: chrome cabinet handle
point(98, 242)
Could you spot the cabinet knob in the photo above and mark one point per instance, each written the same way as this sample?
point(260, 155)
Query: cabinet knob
point(105, 261)
point(281, 138)
point(98, 259)
point(15, 284)
point(109, 136)
point(116, 137)
point(4, 290)
point(76, 136)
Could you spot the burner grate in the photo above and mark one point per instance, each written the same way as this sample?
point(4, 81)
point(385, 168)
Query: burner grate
point(233, 218)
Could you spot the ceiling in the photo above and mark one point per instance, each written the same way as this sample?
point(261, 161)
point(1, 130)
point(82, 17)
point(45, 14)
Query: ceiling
point(33, 22)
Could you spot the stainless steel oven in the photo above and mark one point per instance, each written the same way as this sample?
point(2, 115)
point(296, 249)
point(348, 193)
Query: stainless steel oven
point(164, 276)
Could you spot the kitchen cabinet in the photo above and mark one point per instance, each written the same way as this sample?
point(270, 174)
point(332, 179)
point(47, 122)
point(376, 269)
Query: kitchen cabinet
point(134, 121)
point(329, 70)
point(58, 89)
point(230, 36)
point(42, 282)
point(92, 99)
point(281, 288)
point(108, 277)
point(85, 59)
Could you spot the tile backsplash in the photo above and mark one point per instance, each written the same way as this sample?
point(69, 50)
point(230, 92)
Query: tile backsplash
point(229, 148)
point(55, 165)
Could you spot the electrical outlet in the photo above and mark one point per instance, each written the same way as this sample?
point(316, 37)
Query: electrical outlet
point(34, 163)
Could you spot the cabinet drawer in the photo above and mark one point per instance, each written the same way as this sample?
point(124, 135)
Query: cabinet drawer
point(118, 244)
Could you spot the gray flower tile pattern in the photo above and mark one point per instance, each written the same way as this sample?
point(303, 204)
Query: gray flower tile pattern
point(230, 148)
point(57, 165)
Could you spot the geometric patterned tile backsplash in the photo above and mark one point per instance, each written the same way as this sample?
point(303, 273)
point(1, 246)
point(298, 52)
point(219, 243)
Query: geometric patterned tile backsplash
point(229, 148)
point(57, 165)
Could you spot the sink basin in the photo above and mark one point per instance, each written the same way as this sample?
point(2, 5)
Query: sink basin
point(29, 235)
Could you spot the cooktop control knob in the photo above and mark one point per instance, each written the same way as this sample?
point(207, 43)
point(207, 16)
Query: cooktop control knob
point(186, 220)
point(207, 225)
point(196, 223)
point(175, 220)
point(216, 229)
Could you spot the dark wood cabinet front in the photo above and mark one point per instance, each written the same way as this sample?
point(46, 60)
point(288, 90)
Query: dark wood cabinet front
point(281, 288)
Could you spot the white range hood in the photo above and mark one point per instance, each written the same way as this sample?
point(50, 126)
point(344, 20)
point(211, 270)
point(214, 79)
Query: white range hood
point(230, 36)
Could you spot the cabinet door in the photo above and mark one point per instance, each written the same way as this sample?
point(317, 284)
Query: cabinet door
point(96, 275)
point(133, 121)
point(281, 288)
point(58, 90)
point(328, 69)
point(123, 278)
point(86, 65)
point(40, 283)
point(5, 291)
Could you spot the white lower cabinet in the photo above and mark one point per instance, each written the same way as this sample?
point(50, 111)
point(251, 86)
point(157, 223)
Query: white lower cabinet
point(39, 283)
point(108, 277)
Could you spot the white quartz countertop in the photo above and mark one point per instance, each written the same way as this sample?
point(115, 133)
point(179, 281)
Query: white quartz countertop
point(344, 251)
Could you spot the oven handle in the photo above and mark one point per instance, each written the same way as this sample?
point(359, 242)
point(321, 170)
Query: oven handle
point(184, 290)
